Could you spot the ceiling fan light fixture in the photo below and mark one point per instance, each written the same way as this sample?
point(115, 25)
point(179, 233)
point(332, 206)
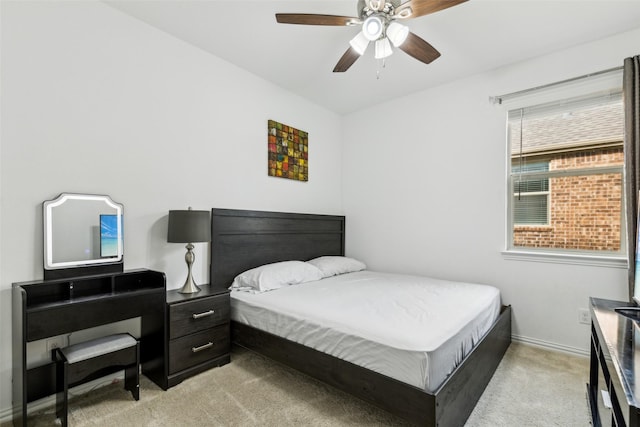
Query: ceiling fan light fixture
point(372, 27)
point(383, 48)
point(397, 33)
point(359, 43)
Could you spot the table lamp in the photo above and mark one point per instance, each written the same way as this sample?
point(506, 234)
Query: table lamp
point(189, 227)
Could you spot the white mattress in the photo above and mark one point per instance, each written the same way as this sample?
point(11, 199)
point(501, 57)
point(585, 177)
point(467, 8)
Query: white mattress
point(414, 329)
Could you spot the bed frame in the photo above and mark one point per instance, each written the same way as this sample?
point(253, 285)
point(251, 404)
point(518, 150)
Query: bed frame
point(241, 240)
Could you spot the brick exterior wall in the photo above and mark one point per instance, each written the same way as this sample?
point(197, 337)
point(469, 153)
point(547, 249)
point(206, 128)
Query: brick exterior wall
point(584, 211)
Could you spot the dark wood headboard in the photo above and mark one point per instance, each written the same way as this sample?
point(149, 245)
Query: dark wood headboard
point(241, 240)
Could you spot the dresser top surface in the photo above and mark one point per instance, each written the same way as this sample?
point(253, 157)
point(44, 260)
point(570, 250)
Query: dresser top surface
point(620, 338)
point(174, 296)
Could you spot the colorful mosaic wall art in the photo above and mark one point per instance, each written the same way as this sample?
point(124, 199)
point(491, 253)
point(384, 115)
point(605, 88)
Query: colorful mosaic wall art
point(288, 152)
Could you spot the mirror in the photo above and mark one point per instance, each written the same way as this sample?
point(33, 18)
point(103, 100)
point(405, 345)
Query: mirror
point(82, 230)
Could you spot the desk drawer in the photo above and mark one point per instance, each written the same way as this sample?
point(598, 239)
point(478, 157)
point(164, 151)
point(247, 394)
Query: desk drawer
point(74, 315)
point(197, 348)
point(197, 315)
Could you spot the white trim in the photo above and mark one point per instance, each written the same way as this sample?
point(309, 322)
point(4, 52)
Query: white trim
point(547, 345)
point(562, 173)
point(6, 415)
point(566, 258)
point(560, 94)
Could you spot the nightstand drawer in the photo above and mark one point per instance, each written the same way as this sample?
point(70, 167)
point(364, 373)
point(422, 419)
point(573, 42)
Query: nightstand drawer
point(200, 347)
point(197, 315)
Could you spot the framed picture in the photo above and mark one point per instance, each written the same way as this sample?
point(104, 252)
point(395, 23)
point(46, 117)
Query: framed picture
point(288, 150)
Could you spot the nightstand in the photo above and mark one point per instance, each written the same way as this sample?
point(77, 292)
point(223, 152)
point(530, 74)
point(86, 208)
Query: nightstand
point(198, 331)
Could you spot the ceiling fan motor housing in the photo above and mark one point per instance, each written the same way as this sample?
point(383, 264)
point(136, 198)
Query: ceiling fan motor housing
point(368, 6)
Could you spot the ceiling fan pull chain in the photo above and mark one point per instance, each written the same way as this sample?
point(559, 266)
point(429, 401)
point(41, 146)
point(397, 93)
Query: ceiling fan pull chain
point(383, 62)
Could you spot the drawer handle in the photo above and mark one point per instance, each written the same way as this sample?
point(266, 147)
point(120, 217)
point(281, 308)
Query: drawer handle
point(202, 347)
point(205, 314)
point(606, 399)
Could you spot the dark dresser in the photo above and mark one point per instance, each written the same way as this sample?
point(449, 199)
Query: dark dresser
point(198, 330)
point(615, 359)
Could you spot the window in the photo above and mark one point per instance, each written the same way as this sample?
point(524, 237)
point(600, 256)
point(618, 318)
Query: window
point(530, 196)
point(566, 177)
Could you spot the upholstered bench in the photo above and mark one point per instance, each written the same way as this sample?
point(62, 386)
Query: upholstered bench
point(85, 361)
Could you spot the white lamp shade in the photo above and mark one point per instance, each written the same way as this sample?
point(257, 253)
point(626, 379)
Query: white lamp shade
point(359, 43)
point(397, 33)
point(383, 48)
point(372, 27)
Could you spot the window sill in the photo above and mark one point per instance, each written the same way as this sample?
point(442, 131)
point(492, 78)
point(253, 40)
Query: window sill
point(566, 258)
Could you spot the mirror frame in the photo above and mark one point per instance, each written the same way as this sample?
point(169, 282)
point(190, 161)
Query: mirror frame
point(65, 269)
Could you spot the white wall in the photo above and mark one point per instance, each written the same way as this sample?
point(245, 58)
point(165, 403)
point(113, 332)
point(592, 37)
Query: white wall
point(95, 101)
point(430, 197)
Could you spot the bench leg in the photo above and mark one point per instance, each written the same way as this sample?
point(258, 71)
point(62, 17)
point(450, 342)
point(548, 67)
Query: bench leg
point(132, 376)
point(62, 393)
point(78, 372)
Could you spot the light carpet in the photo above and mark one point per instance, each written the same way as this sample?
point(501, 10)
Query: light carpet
point(532, 387)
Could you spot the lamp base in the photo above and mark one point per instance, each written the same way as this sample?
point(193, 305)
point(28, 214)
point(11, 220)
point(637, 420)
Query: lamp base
point(189, 286)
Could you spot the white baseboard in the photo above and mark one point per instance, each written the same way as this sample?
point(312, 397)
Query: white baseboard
point(6, 414)
point(547, 345)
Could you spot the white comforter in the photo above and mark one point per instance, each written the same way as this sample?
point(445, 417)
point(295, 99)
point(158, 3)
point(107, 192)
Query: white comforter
point(414, 329)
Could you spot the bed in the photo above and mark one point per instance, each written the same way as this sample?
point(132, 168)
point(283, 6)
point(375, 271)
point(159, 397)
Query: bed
point(242, 240)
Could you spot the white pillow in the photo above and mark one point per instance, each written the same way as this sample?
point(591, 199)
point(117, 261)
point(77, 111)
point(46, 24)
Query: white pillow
point(334, 265)
point(276, 275)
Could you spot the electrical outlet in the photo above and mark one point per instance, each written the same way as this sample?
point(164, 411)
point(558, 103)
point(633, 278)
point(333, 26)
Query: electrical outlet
point(583, 316)
point(56, 342)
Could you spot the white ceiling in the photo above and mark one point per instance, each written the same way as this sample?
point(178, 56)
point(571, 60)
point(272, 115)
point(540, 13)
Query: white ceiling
point(472, 37)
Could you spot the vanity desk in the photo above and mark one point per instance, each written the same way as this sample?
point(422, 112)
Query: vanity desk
point(84, 286)
point(48, 308)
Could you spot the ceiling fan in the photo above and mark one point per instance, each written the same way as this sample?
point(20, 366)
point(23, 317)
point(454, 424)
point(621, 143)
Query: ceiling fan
point(379, 25)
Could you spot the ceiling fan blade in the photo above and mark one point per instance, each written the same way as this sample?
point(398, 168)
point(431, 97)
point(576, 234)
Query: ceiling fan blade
point(313, 19)
point(419, 49)
point(425, 7)
point(347, 60)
